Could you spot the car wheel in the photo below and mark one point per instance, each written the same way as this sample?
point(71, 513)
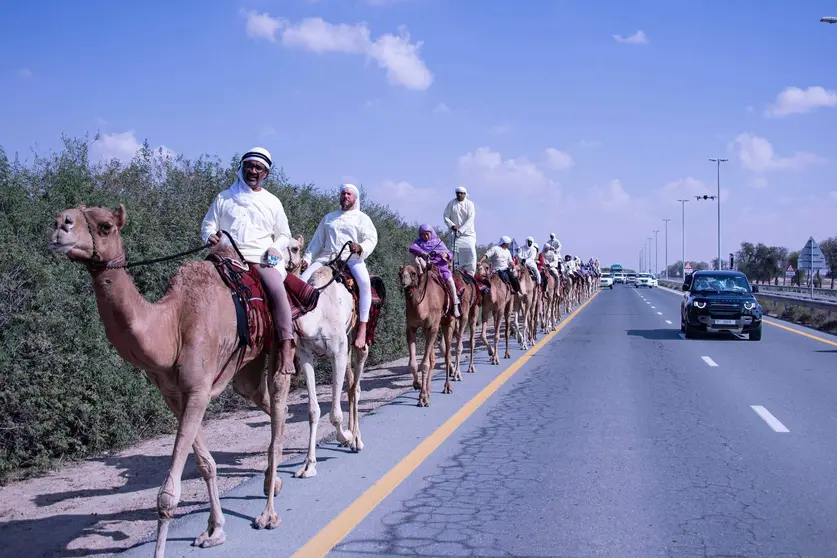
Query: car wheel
point(690, 332)
point(755, 334)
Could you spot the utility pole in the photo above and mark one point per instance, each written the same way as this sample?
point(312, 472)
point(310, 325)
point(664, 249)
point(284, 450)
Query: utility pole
point(648, 269)
point(640, 260)
point(718, 162)
point(656, 254)
point(666, 258)
point(683, 237)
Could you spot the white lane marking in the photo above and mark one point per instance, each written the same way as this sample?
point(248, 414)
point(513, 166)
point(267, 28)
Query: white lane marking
point(771, 421)
point(660, 313)
point(709, 361)
point(668, 322)
point(654, 307)
point(682, 335)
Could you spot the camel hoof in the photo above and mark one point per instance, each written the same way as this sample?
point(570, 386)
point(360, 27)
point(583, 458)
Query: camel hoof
point(307, 471)
point(267, 520)
point(207, 540)
point(507, 355)
point(357, 445)
point(416, 385)
point(277, 486)
point(471, 370)
point(447, 389)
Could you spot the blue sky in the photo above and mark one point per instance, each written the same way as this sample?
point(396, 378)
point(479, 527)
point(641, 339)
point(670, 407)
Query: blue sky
point(555, 115)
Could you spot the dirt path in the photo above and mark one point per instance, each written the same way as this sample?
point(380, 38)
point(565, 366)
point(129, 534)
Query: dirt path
point(107, 504)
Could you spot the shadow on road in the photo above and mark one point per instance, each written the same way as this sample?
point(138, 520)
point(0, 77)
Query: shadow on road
point(655, 334)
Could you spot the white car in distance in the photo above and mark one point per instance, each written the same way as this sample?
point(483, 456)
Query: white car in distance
point(606, 281)
point(643, 280)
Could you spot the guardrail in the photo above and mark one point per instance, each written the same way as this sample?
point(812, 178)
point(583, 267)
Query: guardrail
point(825, 305)
point(818, 293)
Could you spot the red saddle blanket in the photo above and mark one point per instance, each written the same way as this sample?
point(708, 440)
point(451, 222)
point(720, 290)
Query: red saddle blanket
point(378, 297)
point(254, 322)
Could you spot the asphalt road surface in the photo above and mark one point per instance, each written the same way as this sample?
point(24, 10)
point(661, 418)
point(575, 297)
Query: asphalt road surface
point(616, 437)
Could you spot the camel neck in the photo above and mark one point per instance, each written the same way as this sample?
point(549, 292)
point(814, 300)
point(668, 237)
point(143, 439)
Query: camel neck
point(121, 306)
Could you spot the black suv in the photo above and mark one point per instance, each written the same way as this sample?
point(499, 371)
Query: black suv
point(720, 301)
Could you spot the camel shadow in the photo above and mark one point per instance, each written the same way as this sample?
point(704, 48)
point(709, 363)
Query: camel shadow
point(135, 471)
point(666, 334)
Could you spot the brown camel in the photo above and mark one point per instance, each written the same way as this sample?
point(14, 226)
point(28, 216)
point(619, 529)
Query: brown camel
point(498, 303)
point(186, 344)
point(524, 305)
point(469, 312)
point(546, 310)
point(424, 299)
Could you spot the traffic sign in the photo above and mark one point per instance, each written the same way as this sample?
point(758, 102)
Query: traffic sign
point(811, 257)
point(688, 266)
point(790, 271)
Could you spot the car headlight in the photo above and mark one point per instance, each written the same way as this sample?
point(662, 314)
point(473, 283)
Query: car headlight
point(699, 304)
point(749, 305)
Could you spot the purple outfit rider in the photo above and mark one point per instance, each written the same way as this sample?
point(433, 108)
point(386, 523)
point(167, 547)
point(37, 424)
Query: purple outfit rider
point(423, 247)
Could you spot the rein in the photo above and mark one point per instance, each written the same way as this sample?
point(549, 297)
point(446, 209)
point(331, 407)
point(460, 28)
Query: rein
point(95, 261)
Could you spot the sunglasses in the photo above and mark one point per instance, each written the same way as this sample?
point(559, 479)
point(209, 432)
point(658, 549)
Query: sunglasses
point(253, 165)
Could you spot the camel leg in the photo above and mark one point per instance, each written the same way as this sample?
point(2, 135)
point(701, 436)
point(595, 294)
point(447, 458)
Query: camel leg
point(309, 467)
point(458, 327)
point(278, 385)
point(447, 331)
point(508, 354)
point(339, 365)
point(484, 338)
point(426, 370)
point(354, 397)
point(214, 534)
point(495, 359)
point(472, 328)
point(411, 344)
point(193, 407)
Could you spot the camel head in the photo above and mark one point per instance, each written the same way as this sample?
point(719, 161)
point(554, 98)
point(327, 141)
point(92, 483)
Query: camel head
point(484, 269)
point(89, 234)
point(408, 276)
point(295, 246)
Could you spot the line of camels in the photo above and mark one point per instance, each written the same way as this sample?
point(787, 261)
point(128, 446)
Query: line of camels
point(185, 344)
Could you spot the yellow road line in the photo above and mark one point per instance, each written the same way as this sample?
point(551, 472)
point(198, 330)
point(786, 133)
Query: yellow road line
point(322, 543)
point(781, 326)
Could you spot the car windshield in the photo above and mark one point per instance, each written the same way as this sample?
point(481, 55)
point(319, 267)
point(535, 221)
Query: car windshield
point(721, 283)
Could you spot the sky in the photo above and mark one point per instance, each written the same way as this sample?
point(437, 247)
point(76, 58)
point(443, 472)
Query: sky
point(587, 119)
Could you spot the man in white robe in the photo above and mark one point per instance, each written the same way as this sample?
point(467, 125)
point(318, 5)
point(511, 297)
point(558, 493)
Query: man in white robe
point(459, 217)
point(347, 224)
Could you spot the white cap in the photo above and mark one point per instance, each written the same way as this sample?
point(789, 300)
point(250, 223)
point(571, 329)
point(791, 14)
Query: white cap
point(461, 190)
point(259, 154)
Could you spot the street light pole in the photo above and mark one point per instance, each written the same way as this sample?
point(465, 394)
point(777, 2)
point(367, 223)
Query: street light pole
point(718, 162)
point(656, 254)
point(648, 269)
point(666, 258)
point(683, 236)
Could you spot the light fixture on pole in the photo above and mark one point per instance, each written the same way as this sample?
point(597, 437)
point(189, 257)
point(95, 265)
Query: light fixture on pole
point(683, 237)
point(666, 256)
point(718, 162)
point(828, 19)
point(656, 254)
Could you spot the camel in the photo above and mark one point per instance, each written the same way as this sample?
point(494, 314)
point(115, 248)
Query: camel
point(546, 316)
point(497, 302)
point(469, 312)
point(524, 305)
point(424, 299)
point(185, 344)
point(328, 332)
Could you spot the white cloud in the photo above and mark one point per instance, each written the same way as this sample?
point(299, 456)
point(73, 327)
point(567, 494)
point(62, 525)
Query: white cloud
point(488, 169)
point(412, 202)
point(441, 108)
point(756, 154)
point(122, 146)
point(558, 160)
point(613, 197)
point(25, 73)
point(394, 53)
point(500, 130)
point(793, 100)
point(637, 38)
point(750, 108)
point(686, 189)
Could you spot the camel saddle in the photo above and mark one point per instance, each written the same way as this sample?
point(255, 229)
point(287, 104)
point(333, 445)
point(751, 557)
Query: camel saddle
point(254, 322)
point(379, 294)
point(477, 281)
point(458, 285)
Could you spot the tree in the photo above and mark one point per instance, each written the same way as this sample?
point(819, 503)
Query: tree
point(829, 250)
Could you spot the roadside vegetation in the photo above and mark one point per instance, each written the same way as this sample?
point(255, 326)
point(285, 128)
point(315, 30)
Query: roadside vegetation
point(65, 393)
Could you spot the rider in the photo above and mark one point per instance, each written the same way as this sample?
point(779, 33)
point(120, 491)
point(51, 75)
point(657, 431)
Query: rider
point(500, 260)
point(528, 256)
point(459, 217)
point(256, 221)
point(551, 261)
point(428, 243)
point(555, 243)
point(347, 224)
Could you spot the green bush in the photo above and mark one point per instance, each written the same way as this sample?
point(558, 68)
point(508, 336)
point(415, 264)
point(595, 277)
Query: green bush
point(65, 393)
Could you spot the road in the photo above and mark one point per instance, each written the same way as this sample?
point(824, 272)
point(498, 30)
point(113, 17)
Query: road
point(617, 437)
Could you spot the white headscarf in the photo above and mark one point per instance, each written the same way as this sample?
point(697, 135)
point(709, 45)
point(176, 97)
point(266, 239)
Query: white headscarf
point(241, 189)
point(351, 188)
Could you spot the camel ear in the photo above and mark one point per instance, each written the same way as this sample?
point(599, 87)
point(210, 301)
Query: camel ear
point(300, 240)
point(120, 216)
